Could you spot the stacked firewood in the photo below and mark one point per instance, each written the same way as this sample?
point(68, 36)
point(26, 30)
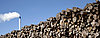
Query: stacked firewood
point(70, 23)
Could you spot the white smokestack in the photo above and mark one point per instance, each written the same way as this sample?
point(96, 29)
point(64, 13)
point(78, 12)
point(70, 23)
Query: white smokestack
point(19, 22)
point(8, 16)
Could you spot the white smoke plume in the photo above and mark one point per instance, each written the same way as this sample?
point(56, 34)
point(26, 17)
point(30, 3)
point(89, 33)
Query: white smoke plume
point(8, 16)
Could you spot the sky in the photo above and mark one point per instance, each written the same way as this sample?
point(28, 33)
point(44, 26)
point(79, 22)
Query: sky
point(34, 11)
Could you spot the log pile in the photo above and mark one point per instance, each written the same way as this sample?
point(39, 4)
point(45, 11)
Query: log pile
point(70, 23)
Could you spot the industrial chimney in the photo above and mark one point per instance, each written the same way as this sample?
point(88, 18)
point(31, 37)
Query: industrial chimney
point(19, 22)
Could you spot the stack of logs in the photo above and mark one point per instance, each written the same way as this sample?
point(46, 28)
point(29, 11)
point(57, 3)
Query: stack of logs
point(70, 23)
